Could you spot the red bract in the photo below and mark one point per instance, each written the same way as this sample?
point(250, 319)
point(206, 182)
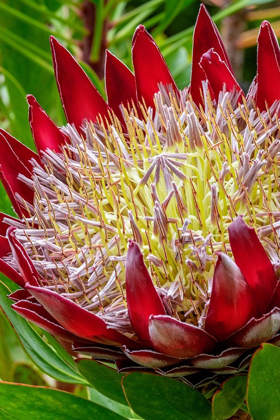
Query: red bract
point(268, 67)
point(233, 307)
point(218, 74)
point(149, 66)
point(233, 317)
point(206, 37)
point(80, 99)
point(45, 133)
point(112, 251)
point(139, 288)
point(120, 85)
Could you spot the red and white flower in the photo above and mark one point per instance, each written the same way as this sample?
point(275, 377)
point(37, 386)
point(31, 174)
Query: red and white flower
point(133, 237)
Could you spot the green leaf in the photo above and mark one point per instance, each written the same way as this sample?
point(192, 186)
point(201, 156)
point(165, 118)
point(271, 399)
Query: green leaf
point(18, 42)
point(107, 383)
point(23, 402)
point(156, 398)
point(24, 373)
point(5, 350)
point(60, 349)
point(263, 394)
point(26, 55)
point(148, 6)
point(31, 21)
point(17, 110)
point(36, 348)
point(22, 49)
point(180, 67)
point(97, 31)
point(172, 9)
point(106, 380)
point(178, 61)
point(230, 398)
point(129, 28)
point(122, 410)
point(52, 15)
point(5, 203)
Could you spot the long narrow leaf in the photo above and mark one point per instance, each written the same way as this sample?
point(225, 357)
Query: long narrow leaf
point(17, 112)
point(129, 28)
point(25, 402)
point(36, 348)
point(48, 13)
point(33, 22)
point(182, 37)
point(26, 44)
point(171, 11)
point(23, 50)
point(148, 6)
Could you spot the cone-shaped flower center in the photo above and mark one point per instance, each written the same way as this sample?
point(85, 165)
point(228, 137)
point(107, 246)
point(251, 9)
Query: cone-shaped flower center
point(173, 182)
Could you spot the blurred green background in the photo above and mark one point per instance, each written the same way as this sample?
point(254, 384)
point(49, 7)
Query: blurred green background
point(87, 28)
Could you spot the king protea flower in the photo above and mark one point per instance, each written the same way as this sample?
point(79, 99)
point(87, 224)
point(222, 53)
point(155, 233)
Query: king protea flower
point(148, 228)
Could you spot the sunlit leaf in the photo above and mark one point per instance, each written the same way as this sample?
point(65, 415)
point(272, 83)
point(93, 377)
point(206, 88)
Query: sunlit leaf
point(263, 393)
point(28, 402)
point(230, 398)
point(28, 19)
point(17, 109)
point(39, 352)
point(106, 380)
point(120, 409)
point(171, 11)
point(156, 398)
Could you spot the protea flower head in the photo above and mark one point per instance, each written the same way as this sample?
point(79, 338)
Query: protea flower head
point(148, 229)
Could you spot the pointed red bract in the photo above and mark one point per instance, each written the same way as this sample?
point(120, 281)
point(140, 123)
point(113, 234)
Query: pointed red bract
point(24, 153)
point(3, 225)
point(77, 320)
point(206, 36)
point(127, 366)
point(120, 85)
point(256, 331)
point(150, 358)
point(26, 266)
point(5, 248)
point(208, 361)
point(142, 298)
point(149, 67)
point(179, 371)
point(218, 74)
point(80, 99)
point(268, 67)
point(21, 294)
point(5, 267)
point(178, 339)
point(12, 274)
point(252, 260)
point(38, 315)
point(98, 351)
point(231, 303)
point(10, 168)
point(45, 133)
